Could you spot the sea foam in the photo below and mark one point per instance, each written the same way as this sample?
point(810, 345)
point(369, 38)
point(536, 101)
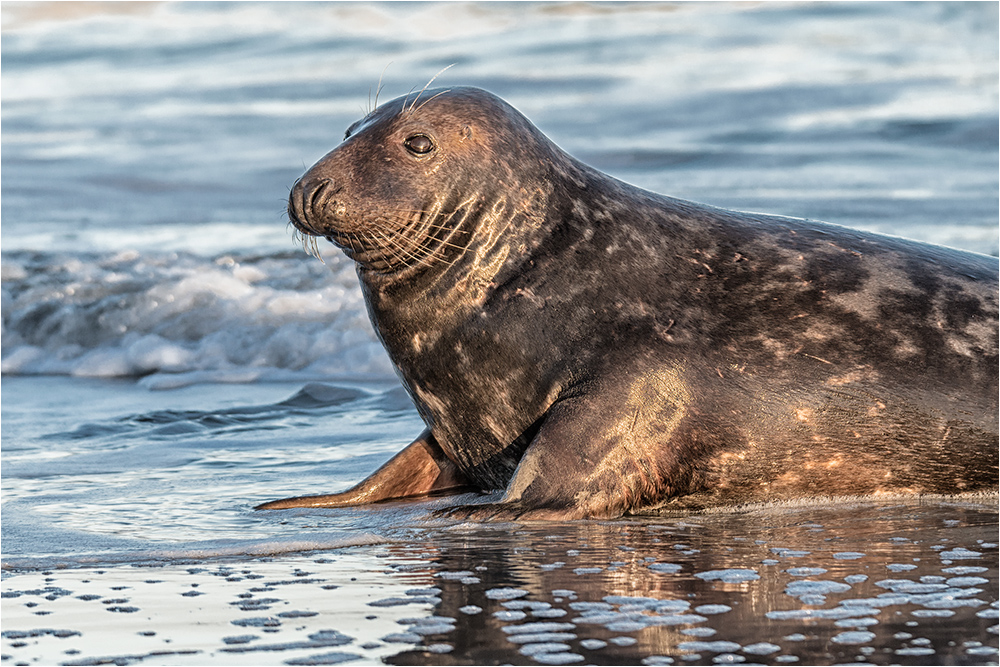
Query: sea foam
point(176, 318)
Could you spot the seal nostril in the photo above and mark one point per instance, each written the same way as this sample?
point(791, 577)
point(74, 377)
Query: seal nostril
point(317, 198)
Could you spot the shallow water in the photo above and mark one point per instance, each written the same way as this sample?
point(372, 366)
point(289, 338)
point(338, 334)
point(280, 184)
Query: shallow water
point(171, 357)
point(872, 583)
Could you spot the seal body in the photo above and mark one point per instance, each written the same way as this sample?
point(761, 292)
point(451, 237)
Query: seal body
point(591, 348)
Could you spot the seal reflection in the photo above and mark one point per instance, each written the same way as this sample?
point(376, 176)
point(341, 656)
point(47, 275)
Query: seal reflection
point(810, 584)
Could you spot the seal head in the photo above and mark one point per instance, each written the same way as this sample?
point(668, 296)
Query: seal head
point(403, 188)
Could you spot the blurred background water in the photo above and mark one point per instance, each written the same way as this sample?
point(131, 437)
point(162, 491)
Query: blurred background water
point(148, 149)
point(172, 357)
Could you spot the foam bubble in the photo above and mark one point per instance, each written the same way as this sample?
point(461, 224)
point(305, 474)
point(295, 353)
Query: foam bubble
point(178, 318)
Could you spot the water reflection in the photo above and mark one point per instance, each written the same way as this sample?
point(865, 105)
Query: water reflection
point(902, 584)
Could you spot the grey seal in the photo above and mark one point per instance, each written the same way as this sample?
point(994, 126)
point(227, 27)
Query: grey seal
point(592, 349)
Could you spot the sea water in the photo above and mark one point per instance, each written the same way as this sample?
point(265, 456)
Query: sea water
point(171, 357)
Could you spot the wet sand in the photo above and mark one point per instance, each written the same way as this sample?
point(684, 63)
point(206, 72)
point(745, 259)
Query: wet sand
point(912, 583)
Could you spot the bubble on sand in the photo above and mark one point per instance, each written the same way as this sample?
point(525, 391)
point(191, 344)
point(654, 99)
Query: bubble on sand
point(538, 627)
point(713, 609)
point(698, 632)
point(623, 641)
point(505, 593)
point(900, 567)
point(440, 648)
point(557, 658)
point(853, 637)
point(390, 602)
point(730, 576)
point(783, 552)
point(965, 569)
point(509, 615)
point(961, 582)
point(546, 647)
point(541, 637)
point(960, 553)
point(855, 622)
point(266, 622)
point(805, 587)
point(761, 648)
point(334, 658)
point(666, 568)
point(710, 647)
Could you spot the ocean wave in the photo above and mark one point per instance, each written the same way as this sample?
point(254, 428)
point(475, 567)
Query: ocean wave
point(176, 318)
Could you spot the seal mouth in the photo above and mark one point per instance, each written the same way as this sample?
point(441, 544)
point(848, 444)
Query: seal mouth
point(313, 212)
point(395, 240)
point(310, 212)
point(385, 240)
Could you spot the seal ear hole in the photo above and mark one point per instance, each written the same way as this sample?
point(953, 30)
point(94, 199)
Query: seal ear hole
point(419, 144)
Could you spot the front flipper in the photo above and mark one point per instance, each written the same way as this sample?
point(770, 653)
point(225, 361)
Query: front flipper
point(616, 448)
point(420, 468)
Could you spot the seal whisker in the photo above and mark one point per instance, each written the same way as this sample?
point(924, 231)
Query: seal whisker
point(435, 248)
point(414, 229)
point(403, 255)
point(310, 246)
point(439, 244)
point(404, 236)
point(431, 224)
point(391, 246)
point(393, 240)
point(424, 255)
point(397, 252)
point(302, 240)
point(378, 89)
point(406, 99)
point(433, 245)
point(317, 253)
point(424, 212)
point(430, 99)
point(426, 86)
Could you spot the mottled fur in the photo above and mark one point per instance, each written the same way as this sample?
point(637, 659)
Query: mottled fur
point(593, 348)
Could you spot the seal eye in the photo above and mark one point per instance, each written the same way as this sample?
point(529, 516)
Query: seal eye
point(419, 144)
